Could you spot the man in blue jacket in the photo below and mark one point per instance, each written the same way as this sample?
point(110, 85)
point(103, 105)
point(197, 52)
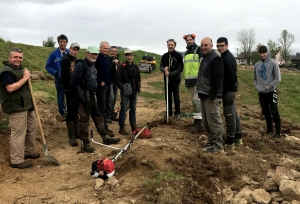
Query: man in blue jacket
point(53, 68)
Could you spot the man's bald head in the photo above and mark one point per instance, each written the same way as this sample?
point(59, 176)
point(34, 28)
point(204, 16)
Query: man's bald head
point(206, 45)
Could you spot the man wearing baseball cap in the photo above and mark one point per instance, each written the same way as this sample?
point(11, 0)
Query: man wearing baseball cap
point(83, 86)
point(67, 65)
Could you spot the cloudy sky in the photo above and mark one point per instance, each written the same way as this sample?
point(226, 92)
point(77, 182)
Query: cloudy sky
point(145, 24)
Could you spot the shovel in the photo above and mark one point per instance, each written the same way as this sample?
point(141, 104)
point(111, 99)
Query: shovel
point(40, 125)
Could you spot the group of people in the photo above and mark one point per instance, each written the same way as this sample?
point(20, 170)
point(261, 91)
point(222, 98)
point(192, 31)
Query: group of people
point(90, 88)
point(211, 79)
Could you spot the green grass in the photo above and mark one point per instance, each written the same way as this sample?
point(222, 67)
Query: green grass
point(47, 88)
point(288, 96)
point(162, 177)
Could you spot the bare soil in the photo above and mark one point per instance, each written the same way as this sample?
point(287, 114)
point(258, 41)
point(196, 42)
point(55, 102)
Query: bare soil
point(172, 149)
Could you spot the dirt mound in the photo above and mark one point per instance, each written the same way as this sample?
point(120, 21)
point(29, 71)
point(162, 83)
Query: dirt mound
point(168, 168)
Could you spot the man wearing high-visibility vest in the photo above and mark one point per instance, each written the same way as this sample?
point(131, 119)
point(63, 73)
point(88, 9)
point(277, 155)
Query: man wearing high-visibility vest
point(192, 61)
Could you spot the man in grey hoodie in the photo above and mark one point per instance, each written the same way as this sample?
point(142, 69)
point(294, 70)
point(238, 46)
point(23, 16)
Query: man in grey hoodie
point(266, 77)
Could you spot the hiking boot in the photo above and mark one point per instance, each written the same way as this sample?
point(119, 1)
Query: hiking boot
point(109, 140)
point(276, 135)
point(32, 156)
point(207, 145)
point(177, 116)
point(238, 142)
point(108, 120)
point(123, 131)
point(212, 150)
point(197, 127)
point(87, 148)
point(23, 165)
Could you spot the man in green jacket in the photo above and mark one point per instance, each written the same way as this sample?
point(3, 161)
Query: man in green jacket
point(17, 103)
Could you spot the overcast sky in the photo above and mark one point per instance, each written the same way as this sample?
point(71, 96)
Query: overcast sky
point(144, 24)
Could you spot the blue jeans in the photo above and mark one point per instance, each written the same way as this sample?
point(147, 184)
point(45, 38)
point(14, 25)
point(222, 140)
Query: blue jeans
point(131, 99)
point(60, 95)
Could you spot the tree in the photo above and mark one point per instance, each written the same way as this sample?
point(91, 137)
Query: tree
point(286, 40)
point(49, 42)
point(273, 47)
point(246, 40)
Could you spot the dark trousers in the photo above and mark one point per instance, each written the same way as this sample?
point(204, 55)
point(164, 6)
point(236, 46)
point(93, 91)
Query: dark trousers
point(173, 90)
point(85, 111)
point(269, 108)
point(112, 106)
point(103, 96)
point(60, 95)
point(131, 99)
point(72, 108)
point(233, 124)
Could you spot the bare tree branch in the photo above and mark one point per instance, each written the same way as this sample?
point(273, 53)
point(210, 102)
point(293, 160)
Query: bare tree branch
point(246, 40)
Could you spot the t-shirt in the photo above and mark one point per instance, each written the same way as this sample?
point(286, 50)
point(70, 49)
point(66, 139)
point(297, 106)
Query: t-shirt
point(7, 78)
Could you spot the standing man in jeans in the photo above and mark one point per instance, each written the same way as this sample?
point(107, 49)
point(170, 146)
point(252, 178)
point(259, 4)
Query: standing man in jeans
point(192, 61)
point(53, 68)
point(172, 65)
point(210, 89)
point(128, 73)
point(17, 103)
point(266, 77)
point(102, 65)
point(230, 86)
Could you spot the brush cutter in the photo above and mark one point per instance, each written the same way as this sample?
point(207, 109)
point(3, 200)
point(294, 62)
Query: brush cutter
point(104, 168)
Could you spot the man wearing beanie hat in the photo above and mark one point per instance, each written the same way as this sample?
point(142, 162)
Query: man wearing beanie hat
point(67, 66)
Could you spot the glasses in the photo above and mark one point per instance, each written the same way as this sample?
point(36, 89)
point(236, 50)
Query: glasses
point(221, 46)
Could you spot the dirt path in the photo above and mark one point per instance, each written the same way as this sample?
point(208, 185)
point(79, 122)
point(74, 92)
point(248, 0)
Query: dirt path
point(168, 168)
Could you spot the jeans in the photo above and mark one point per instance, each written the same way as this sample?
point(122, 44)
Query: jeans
point(212, 121)
point(103, 96)
point(112, 105)
point(233, 124)
point(195, 101)
point(72, 108)
point(173, 89)
point(60, 95)
point(131, 99)
point(268, 104)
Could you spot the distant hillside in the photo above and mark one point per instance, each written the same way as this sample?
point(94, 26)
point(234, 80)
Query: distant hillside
point(35, 57)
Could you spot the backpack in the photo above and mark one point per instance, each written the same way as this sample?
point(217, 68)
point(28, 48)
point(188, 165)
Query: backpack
point(103, 168)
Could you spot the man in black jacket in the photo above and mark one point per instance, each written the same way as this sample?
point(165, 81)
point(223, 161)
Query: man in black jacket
point(172, 65)
point(230, 85)
point(210, 88)
point(83, 86)
point(67, 65)
point(128, 75)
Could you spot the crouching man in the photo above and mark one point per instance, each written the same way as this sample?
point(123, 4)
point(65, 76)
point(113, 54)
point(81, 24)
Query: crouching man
point(83, 86)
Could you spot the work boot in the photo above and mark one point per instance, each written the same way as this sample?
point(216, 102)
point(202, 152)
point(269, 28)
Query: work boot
point(87, 148)
point(71, 134)
point(23, 165)
point(107, 140)
point(122, 130)
point(197, 127)
point(133, 127)
point(76, 128)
